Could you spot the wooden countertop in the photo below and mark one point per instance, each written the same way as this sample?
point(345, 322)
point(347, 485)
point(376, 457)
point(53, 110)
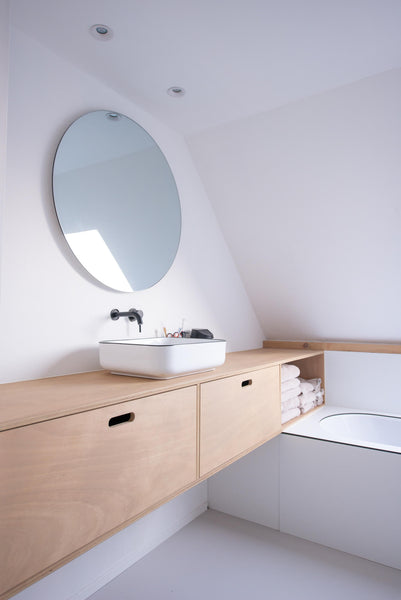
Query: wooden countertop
point(26, 402)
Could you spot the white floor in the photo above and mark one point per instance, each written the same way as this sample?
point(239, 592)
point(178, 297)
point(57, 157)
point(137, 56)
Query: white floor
point(221, 557)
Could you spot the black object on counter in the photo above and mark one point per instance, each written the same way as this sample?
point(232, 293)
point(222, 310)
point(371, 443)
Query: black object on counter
point(202, 333)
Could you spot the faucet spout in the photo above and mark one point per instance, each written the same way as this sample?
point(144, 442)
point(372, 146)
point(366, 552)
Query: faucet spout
point(138, 316)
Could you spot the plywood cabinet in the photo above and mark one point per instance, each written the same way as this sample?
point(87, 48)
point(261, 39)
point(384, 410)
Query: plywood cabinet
point(69, 481)
point(82, 456)
point(237, 414)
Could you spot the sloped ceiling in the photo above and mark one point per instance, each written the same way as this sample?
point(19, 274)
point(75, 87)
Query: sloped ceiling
point(235, 58)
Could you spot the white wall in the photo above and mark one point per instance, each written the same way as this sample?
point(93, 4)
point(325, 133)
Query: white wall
point(53, 314)
point(309, 200)
point(363, 380)
point(4, 54)
point(249, 488)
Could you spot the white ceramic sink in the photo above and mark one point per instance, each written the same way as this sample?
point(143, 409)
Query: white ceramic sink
point(161, 358)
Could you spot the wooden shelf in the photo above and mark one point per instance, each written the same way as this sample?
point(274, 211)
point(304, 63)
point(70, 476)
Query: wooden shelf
point(375, 348)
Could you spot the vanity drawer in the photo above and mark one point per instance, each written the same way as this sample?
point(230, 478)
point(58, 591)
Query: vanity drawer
point(69, 481)
point(237, 413)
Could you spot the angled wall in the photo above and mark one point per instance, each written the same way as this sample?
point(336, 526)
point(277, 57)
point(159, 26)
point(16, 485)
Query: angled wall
point(308, 197)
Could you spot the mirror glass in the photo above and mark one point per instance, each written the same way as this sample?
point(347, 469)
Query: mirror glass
point(116, 201)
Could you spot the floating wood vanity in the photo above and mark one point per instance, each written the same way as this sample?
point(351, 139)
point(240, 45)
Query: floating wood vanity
point(83, 456)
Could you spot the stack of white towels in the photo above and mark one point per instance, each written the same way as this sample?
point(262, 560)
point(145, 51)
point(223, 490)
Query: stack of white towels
point(298, 395)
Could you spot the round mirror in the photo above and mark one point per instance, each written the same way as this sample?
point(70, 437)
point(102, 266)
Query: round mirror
point(116, 201)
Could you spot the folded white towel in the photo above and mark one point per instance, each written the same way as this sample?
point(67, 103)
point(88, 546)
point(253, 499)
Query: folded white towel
point(290, 414)
point(290, 394)
point(290, 403)
point(319, 398)
point(308, 398)
point(290, 384)
point(306, 407)
point(306, 386)
point(315, 383)
point(289, 372)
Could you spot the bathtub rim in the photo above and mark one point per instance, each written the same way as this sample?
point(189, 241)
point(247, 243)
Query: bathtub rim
point(308, 426)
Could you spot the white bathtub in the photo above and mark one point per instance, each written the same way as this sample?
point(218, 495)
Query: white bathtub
point(351, 426)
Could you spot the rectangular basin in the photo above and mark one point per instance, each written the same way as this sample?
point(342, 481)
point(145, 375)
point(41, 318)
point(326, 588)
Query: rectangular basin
point(161, 358)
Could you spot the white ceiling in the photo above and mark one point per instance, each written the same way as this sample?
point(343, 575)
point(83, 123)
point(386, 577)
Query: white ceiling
point(235, 58)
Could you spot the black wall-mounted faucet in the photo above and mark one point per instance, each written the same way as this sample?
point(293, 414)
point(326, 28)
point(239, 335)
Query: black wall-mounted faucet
point(133, 315)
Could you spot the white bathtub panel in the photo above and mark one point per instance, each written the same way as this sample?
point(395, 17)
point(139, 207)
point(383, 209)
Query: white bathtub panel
point(249, 488)
point(363, 380)
point(344, 497)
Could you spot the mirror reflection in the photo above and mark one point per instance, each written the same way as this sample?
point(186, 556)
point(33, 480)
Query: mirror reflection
point(116, 201)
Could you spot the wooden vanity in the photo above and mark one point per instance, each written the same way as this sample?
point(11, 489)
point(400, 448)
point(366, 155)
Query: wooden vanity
point(83, 456)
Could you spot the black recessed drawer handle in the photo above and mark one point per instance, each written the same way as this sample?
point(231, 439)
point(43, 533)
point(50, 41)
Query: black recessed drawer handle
point(125, 418)
point(246, 382)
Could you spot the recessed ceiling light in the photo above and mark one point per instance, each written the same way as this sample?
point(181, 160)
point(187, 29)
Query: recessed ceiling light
point(176, 91)
point(101, 32)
